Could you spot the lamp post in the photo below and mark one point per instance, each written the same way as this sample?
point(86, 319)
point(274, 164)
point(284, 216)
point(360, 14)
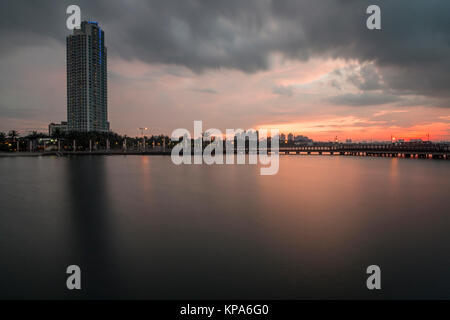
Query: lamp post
point(143, 139)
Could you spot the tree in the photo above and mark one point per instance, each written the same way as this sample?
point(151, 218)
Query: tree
point(57, 133)
point(35, 135)
point(13, 134)
point(3, 145)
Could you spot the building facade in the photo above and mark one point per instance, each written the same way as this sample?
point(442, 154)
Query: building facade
point(54, 128)
point(87, 91)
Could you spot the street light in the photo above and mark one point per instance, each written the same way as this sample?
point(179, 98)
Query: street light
point(142, 133)
point(142, 130)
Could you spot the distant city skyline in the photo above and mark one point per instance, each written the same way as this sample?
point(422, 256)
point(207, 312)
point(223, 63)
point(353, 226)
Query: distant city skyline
point(239, 65)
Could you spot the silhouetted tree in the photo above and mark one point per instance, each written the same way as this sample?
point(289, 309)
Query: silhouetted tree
point(13, 134)
point(35, 135)
point(57, 133)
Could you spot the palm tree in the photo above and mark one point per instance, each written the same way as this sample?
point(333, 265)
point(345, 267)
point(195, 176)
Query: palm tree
point(13, 134)
point(57, 133)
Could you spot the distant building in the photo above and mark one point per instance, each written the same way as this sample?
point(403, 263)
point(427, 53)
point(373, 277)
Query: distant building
point(302, 140)
point(87, 94)
point(290, 137)
point(282, 137)
point(53, 127)
point(348, 140)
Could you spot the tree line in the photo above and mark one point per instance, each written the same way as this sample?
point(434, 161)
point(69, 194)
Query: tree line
point(83, 141)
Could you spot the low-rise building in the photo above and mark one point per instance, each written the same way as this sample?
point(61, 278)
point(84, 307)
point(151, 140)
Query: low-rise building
point(54, 127)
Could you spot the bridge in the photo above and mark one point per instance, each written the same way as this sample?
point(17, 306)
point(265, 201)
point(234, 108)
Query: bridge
point(406, 150)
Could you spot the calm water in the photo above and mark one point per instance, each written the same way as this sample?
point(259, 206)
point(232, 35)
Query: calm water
point(141, 227)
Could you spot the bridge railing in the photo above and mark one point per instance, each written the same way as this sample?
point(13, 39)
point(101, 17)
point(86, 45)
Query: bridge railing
point(428, 147)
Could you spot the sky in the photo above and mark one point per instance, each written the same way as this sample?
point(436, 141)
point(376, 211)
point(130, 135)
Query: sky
point(303, 66)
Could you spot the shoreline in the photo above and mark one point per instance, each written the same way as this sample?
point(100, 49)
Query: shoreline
point(433, 156)
point(81, 153)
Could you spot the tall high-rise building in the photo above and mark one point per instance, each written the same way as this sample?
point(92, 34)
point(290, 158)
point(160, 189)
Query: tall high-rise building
point(87, 91)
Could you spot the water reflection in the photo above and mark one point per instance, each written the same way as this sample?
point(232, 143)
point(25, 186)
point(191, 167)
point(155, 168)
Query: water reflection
point(141, 227)
point(92, 226)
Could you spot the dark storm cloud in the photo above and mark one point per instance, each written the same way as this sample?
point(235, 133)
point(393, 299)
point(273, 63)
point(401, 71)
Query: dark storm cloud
point(411, 52)
point(366, 79)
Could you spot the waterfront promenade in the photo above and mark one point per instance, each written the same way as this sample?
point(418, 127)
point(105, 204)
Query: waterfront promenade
point(406, 150)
